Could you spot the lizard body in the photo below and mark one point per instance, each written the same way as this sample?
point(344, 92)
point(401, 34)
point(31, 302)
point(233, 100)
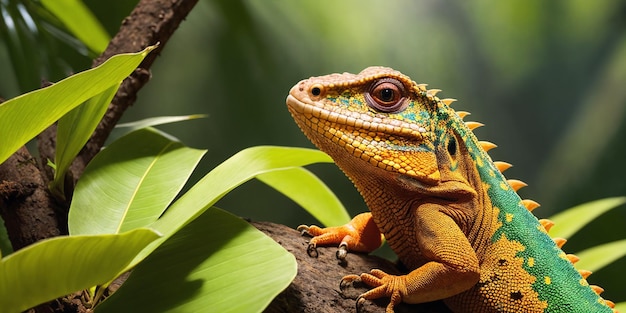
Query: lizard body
point(441, 203)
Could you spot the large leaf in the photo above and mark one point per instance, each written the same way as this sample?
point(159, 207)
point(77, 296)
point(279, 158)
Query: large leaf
point(233, 172)
point(74, 129)
point(217, 263)
point(310, 192)
point(55, 267)
point(572, 220)
point(80, 21)
point(25, 116)
point(597, 257)
point(130, 183)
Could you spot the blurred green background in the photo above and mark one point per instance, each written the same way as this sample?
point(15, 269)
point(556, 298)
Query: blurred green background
point(548, 78)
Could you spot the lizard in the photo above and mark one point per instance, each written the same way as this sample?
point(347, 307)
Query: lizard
point(437, 198)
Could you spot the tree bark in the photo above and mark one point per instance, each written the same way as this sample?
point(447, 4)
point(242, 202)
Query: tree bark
point(316, 286)
point(30, 212)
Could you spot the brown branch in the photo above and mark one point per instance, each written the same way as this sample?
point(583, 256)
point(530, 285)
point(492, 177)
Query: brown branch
point(29, 211)
point(316, 286)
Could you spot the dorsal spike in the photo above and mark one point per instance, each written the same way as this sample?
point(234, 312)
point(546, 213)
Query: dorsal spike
point(584, 273)
point(572, 258)
point(421, 86)
point(530, 204)
point(502, 166)
point(473, 125)
point(559, 241)
point(462, 114)
point(546, 223)
point(487, 145)
point(433, 92)
point(597, 289)
point(448, 101)
point(610, 303)
point(516, 184)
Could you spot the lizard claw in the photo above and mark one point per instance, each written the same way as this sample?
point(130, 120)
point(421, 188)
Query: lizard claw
point(385, 285)
point(304, 230)
point(359, 301)
point(348, 279)
point(311, 250)
point(342, 252)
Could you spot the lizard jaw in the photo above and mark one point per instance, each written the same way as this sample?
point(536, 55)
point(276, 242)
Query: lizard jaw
point(383, 142)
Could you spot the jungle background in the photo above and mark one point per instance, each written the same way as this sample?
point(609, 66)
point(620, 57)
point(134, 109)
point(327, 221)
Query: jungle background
point(547, 79)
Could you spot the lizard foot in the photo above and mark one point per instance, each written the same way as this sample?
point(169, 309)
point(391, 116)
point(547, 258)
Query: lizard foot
point(360, 234)
point(385, 285)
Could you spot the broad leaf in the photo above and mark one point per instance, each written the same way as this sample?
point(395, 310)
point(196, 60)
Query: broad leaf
point(217, 263)
point(27, 115)
point(130, 183)
point(154, 121)
point(597, 257)
point(74, 129)
point(55, 267)
point(310, 192)
point(80, 21)
point(233, 172)
point(572, 220)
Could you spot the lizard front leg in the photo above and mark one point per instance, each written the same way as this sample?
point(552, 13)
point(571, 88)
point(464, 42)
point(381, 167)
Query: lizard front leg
point(450, 263)
point(361, 234)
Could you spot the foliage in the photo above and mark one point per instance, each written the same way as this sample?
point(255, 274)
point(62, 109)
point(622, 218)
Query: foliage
point(118, 204)
point(559, 66)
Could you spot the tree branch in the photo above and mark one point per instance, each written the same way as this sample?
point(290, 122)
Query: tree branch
point(316, 286)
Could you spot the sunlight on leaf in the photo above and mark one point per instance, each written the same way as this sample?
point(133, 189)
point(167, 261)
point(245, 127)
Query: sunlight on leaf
point(58, 266)
point(597, 257)
point(73, 131)
point(130, 183)
point(317, 198)
point(27, 115)
point(217, 263)
point(233, 172)
point(80, 21)
point(572, 220)
point(154, 121)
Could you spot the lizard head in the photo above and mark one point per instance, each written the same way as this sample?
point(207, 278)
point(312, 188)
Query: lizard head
point(379, 116)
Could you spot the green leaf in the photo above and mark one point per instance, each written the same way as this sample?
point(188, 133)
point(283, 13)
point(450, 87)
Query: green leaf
point(572, 220)
point(58, 266)
point(27, 115)
point(217, 263)
point(6, 247)
point(74, 129)
point(596, 258)
point(317, 199)
point(80, 21)
point(233, 172)
point(130, 183)
point(154, 121)
point(620, 307)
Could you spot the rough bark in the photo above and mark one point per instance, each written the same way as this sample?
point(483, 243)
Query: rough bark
point(316, 286)
point(30, 211)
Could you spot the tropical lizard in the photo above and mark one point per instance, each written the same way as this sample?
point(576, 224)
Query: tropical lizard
point(441, 203)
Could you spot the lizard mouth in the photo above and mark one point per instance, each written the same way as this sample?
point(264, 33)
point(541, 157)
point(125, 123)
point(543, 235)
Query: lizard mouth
point(385, 142)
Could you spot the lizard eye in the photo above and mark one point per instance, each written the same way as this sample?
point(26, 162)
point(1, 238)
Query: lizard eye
point(317, 90)
point(386, 95)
